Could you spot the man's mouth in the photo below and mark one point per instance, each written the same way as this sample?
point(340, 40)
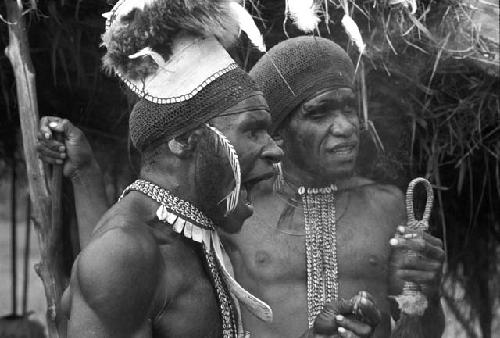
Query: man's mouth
point(251, 182)
point(345, 148)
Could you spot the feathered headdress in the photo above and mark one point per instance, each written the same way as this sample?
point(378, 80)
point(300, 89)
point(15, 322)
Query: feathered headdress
point(163, 29)
point(167, 52)
point(171, 53)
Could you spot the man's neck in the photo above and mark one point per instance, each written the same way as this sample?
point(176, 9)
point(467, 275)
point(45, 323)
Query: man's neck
point(181, 186)
point(297, 177)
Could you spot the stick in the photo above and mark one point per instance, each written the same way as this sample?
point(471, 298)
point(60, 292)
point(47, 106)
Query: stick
point(27, 250)
point(14, 235)
point(49, 269)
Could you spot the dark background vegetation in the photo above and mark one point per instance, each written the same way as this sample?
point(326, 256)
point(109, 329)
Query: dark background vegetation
point(433, 97)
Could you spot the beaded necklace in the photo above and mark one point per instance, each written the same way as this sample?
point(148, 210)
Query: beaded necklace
point(321, 247)
point(187, 220)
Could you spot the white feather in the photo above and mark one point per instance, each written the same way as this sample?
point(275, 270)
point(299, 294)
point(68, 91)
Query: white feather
point(246, 24)
point(157, 58)
point(353, 31)
point(304, 14)
point(233, 196)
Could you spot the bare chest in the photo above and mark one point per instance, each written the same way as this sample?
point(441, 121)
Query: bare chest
point(191, 308)
point(271, 245)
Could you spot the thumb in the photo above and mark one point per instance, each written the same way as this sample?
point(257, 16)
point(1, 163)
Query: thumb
point(65, 127)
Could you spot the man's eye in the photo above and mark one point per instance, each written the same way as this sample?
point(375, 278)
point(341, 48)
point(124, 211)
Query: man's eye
point(317, 113)
point(254, 133)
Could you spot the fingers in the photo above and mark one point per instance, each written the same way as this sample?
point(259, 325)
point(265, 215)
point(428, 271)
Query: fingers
point(342, 332)
point(51, 144)
point(402, 231)
point(411, 260)
point(349, 326)
point(49, 124)
point(50, 156)
point(422, 246)
point(357, 316)
point(50, 151)
point(418, 276)
point(366, 309)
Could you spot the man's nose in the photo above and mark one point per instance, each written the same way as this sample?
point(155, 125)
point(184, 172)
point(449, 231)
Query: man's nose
point(341, 126)
point(272, 152)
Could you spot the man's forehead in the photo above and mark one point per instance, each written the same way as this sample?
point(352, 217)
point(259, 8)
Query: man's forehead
point(331, 94)
point(252, 109)
point(255, 102)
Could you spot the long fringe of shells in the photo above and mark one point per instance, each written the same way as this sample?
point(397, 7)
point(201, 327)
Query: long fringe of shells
point(233, 196)
point(321, 248)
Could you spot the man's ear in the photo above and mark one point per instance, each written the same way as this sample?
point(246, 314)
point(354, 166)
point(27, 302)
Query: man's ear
point(184, 145)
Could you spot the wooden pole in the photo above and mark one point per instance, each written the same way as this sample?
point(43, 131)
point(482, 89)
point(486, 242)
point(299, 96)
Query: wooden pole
point(27, 250)
point(14, 234)
point(49, 268)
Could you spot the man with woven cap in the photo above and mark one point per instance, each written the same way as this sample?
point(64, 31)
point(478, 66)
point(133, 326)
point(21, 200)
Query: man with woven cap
point(154, 265)
point(319, 233)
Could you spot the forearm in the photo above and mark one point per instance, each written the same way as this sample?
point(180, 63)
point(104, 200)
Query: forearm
point(91, 201)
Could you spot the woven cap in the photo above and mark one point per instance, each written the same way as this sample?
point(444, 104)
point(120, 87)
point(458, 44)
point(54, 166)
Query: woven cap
point(297, 68)
point(150, 121)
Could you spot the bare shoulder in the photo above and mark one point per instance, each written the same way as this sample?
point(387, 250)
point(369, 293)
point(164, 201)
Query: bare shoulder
point(385, 193)
point(386, 198)
point(118, 272)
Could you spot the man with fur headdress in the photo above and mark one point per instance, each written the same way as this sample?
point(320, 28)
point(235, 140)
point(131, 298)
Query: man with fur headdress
point(154, 263)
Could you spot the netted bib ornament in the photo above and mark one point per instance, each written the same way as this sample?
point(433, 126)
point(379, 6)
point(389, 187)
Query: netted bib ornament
point(321, 247)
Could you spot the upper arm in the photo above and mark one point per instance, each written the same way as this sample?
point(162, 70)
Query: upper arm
point(389, 201)
point(393, 205)
point(113, 286)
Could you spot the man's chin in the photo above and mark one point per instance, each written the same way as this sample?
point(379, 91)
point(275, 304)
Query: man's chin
point(339, 174)
point(233, 222)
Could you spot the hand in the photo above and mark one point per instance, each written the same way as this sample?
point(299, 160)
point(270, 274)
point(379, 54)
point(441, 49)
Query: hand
point(417, 259)
point(356, 317)
point(74, 151)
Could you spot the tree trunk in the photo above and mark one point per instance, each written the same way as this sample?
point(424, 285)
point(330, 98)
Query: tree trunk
point(49, 268)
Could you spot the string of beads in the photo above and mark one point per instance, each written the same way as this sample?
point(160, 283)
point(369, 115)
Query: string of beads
point(321, 247)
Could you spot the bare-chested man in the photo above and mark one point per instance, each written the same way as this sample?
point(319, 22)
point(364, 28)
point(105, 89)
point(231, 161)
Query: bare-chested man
point(308, 83)
point(154, 264)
